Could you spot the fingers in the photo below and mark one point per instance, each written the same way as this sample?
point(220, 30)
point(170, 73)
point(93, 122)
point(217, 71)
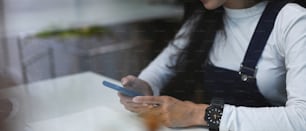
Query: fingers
point(132, 106)
point(124, 97)
point(134, 109)
point(152, 100)
point(128, 80)
point(138, 85)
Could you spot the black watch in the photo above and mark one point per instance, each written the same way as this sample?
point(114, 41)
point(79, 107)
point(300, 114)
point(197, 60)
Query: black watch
point(213, 114)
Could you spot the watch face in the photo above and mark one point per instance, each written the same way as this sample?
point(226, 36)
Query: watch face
point(213, 116)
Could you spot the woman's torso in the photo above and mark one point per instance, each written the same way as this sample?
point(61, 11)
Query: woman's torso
point(230, 46)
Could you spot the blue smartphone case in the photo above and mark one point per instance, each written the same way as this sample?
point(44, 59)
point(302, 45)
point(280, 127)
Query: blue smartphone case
point(122, 90)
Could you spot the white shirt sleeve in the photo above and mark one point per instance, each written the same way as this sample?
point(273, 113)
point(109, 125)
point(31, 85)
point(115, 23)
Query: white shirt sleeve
point(291, 117)
point(157, 74)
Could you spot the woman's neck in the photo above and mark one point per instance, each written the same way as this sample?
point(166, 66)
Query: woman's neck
point(240, 4)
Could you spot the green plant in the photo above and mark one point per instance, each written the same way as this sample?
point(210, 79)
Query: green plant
point(77, 32)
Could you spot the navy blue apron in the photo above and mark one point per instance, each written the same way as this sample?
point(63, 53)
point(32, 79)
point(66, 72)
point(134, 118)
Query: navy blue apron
point(240, 88)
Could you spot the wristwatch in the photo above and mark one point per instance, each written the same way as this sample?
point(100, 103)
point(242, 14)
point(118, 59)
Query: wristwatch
point(213, 114)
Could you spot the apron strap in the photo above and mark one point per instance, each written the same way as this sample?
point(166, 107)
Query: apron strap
point(259, 39)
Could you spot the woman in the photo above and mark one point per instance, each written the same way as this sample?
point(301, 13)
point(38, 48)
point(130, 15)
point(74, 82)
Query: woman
point(267, 92)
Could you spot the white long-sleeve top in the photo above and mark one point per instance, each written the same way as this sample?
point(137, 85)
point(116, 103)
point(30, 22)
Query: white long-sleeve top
point(281, 74)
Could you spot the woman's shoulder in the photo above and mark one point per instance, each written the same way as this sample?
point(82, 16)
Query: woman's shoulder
point(291, 11)
point(294, 7)
point(290, 24)
point(289, 16)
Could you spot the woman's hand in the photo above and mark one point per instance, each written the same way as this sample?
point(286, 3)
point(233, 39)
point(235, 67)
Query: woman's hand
point(172, 112)
point(131, 82)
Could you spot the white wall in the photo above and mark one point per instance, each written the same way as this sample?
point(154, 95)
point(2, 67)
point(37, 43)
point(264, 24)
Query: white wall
point(21, 18)
point(28, 16)
point(34, 5)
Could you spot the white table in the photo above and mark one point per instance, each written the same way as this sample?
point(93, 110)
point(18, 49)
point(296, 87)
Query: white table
point(72, 103)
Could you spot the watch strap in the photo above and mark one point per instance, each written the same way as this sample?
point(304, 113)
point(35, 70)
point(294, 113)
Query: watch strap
point(216, 102)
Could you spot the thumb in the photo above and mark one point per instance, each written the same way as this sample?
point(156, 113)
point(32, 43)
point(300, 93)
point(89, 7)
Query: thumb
point(128, 80)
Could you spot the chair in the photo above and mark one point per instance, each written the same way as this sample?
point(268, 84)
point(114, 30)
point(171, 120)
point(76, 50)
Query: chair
point(32, 54)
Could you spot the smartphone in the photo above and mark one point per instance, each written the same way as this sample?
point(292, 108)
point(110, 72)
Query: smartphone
point(122, 90)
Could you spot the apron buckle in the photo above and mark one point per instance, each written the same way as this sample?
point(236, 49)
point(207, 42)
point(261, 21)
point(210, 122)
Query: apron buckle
point(245, 73)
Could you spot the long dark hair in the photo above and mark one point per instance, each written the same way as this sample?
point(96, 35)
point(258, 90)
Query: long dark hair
point(204, 24)
point(191, 59)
